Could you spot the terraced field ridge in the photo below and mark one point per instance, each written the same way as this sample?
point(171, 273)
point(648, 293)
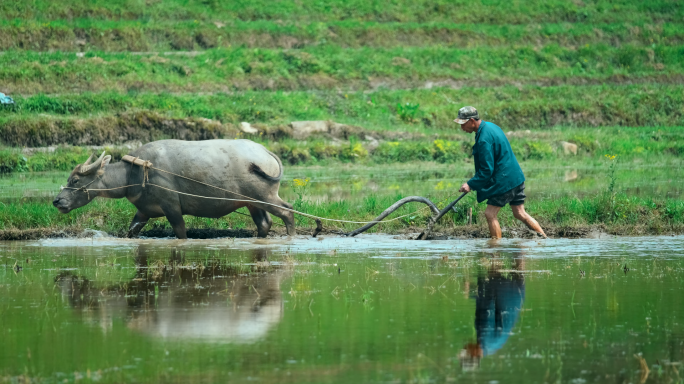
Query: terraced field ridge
point(581, 63)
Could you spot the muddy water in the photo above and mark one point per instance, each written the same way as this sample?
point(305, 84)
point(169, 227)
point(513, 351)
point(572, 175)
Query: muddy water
point(371, 309)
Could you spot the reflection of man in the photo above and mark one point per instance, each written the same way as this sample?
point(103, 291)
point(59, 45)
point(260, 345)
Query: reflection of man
point(498, 177)
point(498, 304)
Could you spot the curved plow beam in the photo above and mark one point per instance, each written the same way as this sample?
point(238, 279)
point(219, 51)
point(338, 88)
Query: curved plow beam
point(394, 207)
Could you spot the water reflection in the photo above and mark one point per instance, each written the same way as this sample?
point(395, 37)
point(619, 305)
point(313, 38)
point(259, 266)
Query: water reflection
point(418, 317)
point(181, 299)
point(499, 299)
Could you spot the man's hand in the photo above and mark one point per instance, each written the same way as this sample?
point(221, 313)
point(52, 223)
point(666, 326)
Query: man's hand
point(464, 188)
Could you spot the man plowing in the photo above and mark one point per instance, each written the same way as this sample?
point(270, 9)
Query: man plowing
point(498, 176)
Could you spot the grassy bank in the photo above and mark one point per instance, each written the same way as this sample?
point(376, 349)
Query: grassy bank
point(163, 35)
point(333, 67)
point(113, 118)
point(401, 67)
point(309, 11)
point(631, 144)
point(564, 216)
point(515, 107)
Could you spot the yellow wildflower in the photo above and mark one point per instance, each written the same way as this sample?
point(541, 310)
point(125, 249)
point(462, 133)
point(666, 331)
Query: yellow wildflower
point(442, 145)
point(301, 182)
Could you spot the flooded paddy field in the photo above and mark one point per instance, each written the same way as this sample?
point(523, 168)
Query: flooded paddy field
point(352, 181)
point(370, 309)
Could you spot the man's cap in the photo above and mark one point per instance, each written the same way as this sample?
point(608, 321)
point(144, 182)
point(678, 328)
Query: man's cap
point(467, 113)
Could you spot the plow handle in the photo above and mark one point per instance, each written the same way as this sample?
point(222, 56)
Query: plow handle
point(435, 219)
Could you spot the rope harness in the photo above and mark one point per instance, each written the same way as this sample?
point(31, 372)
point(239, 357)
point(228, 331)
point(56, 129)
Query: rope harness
point(147, 165)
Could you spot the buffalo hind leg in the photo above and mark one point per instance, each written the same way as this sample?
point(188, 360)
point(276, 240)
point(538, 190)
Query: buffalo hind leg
point(175, 218)
point(139, 221)
point(285, 215)
point(262, 220)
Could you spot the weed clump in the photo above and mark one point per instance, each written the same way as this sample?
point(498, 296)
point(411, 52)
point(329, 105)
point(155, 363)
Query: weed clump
point(584, 142)
point(447, 151)
point(538, 151)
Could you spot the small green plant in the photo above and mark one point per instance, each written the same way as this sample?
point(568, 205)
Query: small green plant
point(355, 151)
point(367, 299)
point(611, 173)
point(611, 209)
point(300, 188)
point(13, 162)
point(408, 112)
point(367, 296)
point(539, 150)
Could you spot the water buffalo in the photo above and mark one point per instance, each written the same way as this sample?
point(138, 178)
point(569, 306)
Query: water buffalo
point(240, 166)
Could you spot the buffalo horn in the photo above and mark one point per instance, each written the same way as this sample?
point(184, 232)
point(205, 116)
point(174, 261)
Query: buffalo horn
point(87, 168)
point(89, 160)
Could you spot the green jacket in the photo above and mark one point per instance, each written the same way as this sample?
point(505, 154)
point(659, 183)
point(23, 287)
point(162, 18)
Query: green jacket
point(496, 169)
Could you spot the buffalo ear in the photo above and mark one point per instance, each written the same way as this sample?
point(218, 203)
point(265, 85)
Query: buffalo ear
point(105, 161)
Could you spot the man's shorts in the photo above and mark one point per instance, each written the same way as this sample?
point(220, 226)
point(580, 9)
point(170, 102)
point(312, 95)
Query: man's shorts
point(515, 196)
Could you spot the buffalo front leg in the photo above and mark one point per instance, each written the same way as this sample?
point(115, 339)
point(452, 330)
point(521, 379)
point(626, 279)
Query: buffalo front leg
point(262, 220)
point(139, 221)
point(175, 217)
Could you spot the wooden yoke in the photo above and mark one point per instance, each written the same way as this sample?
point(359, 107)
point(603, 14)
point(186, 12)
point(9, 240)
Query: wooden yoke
point(146, 165)
point(136, 161)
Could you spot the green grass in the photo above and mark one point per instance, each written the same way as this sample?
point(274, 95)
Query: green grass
point(163, 35)
point(404, 66)
point(533, 106)
point(619, 213)
point(632, 144)
point(113, 118)
point(462, 11)
point(332, 67)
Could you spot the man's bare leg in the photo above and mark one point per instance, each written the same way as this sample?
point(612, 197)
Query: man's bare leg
point(494, 228)
point(520, 214)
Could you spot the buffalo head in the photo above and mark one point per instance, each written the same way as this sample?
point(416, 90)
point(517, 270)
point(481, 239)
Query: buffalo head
point(84, 176)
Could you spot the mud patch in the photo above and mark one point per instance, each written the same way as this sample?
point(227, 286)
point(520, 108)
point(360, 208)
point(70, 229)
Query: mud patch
point(201, 233)
point(466, 232)
point(36, 234)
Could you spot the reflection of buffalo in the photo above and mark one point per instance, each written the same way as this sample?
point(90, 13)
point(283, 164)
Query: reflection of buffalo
point(214, 303)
